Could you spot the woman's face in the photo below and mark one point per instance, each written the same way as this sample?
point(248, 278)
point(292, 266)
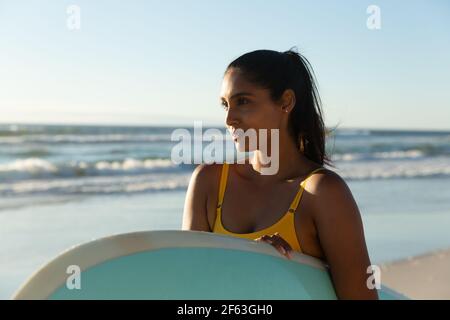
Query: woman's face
point(247, 107)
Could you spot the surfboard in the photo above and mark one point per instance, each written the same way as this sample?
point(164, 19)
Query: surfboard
point(180, 265)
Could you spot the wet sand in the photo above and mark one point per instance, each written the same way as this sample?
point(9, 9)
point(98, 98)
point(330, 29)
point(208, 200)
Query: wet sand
point(421, 277)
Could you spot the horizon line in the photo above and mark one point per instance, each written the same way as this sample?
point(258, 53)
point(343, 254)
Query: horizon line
point(209, 125)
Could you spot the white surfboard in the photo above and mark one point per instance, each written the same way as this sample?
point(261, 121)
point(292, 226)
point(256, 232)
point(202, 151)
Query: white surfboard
point(180, 265)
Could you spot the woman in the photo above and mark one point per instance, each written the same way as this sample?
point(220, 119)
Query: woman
point(267, 89)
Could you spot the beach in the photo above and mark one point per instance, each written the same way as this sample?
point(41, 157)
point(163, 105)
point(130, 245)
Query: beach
point(62, 186)
point(420, 277)
point(33, 235)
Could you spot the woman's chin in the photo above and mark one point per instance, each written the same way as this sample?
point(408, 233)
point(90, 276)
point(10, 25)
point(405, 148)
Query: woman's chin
point(242, 147)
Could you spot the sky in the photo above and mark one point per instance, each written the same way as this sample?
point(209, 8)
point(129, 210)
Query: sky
point(162, 62)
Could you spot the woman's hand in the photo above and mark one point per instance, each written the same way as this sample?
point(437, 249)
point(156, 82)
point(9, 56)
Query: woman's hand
point(278, 242)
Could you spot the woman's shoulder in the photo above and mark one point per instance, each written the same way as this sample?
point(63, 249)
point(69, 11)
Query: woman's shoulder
point(323, 176)
point(324, 180)
point(207, 174)
point(212, 171)
point(329, 195)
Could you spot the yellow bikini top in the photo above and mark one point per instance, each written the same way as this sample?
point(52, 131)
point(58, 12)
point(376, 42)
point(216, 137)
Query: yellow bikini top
point(284, 226)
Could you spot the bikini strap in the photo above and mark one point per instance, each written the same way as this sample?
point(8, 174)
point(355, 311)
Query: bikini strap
point(223, 183)
point(298, 196)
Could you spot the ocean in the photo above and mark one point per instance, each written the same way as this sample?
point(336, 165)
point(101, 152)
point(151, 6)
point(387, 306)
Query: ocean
point(62, 185)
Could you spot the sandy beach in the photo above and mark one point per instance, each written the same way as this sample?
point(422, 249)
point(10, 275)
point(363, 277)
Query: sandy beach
point(32, 235)
point(421, 277)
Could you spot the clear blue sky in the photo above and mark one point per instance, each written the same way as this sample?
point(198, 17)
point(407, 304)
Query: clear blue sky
point(161, 62)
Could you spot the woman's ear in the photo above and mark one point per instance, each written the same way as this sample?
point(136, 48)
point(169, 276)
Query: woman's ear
point(288, 100)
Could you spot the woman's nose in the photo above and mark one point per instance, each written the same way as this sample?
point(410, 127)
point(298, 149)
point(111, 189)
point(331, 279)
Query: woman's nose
point(231, 118)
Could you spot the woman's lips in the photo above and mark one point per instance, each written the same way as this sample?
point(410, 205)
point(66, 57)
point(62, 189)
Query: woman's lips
point(236, 135)
point(236, 131)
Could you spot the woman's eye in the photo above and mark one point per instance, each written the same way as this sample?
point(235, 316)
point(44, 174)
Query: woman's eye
point(242, 101)
point(239, 102)
point(224, 106)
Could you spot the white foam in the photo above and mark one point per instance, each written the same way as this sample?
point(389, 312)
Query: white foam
point(394, 168)
point(409, 154)
point(98, 185)
point(399, 154)
point(30, 165)
point(36, 166)
point(133, 164)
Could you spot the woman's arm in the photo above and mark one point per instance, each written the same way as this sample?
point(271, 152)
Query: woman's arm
point(195, 210)
point(341, 235)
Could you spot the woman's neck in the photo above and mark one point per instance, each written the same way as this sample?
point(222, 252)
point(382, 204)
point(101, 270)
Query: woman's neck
point(291, 163)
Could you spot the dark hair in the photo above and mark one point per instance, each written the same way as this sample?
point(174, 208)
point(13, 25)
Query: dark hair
point(279, 71)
